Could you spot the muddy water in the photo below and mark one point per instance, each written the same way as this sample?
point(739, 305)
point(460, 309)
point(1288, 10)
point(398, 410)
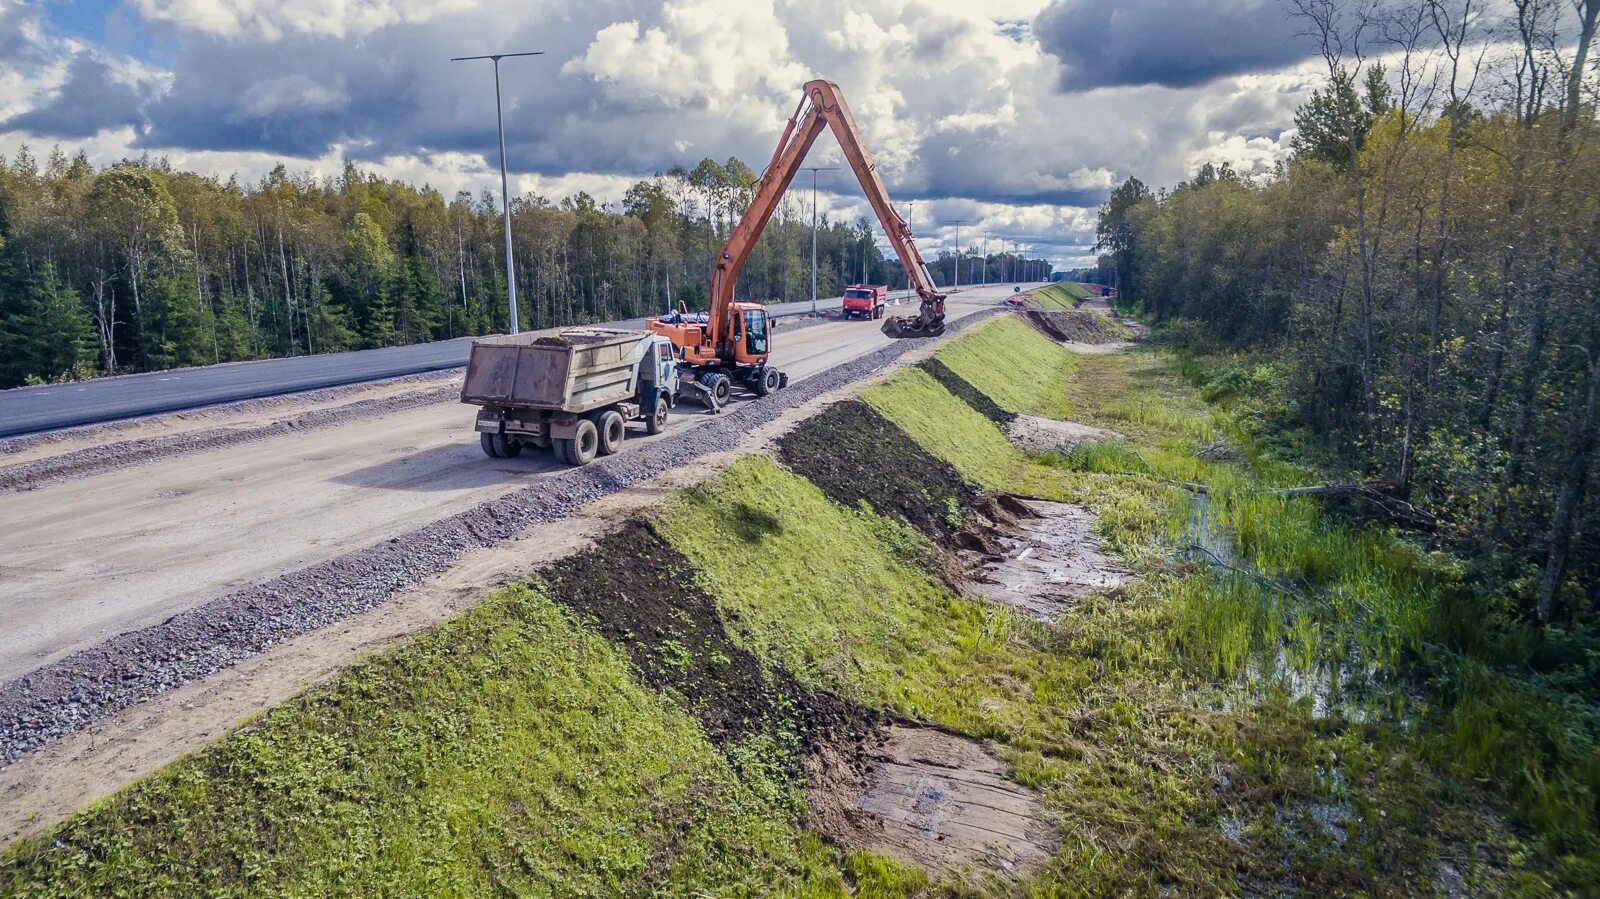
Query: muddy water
point(1043, 560)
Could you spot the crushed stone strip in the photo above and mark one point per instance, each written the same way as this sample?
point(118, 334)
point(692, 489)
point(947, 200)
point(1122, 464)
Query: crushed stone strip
point(61, 698)
point(97, 459)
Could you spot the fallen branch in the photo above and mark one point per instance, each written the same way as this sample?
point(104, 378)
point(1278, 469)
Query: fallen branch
point(1393, 506)
point(1219, 562)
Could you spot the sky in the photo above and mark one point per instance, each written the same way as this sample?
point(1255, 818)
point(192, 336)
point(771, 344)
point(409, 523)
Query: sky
point(1015, 117)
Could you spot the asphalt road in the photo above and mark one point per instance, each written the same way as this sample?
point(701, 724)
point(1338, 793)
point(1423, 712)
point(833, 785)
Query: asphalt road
point(28, 410)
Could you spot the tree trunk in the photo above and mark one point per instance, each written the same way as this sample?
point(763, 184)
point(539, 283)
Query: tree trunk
point(1570, 498)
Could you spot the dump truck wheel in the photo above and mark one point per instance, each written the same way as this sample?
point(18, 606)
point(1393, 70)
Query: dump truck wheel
point(509, 447)
point(783, 379)
point(657, 422)
point(558, 449)
point(486, 441)
point(585, 443)
point(612, 431)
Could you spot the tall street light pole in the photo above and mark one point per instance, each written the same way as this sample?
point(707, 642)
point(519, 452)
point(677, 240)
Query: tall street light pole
point(814, 169)
point(505, 195)
point(958, 223)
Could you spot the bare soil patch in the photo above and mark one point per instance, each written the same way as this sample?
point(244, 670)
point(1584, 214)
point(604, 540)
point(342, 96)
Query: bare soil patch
point(1073, 325)
point(642, 595)
point(1046, 435)
point(961, 389)
point(855, 454)
point(1034, 555)
point(930, 799)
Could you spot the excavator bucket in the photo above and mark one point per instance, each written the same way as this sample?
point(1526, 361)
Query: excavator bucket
point(905, 326)
point(929, 322)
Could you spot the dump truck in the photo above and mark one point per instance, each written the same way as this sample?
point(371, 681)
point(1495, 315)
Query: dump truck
point(864, 300)
point(573, 392)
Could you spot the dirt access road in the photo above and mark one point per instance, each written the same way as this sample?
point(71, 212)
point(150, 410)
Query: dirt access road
point(87, 559)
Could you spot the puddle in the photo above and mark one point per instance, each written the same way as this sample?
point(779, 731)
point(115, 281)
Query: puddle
point(1036, 556)
point(1046, 435)
point(932, 800)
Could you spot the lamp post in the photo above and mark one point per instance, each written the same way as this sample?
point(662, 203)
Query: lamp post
point(814, 169)
point(958, 223)
point(505, 195)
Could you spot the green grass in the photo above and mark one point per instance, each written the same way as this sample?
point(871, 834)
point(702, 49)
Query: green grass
point(508, 750)
point(946, 427)
point(1014, 365)
point(1060, 295)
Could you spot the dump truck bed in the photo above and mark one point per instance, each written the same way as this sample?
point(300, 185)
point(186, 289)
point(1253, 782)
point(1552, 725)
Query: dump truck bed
point(578, 370)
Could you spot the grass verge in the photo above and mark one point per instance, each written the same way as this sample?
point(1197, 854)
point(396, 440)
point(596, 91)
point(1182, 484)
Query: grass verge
point(509, 750)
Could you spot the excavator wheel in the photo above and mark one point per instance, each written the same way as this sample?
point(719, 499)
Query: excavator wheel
point(718, 385)
point(766, 382)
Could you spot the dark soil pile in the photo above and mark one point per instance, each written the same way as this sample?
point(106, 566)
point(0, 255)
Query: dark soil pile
point(641, 594)
point(961, 389)
point(991, 517)
point(855, 454)
point(1073, 325)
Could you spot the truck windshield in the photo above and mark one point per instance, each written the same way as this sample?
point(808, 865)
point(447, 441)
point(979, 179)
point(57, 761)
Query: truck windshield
point(755, 331)
point(859, 294)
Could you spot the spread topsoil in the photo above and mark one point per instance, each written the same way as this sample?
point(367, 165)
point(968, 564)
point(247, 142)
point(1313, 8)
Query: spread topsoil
point(855, 454)
point(1073, 325)
point(964, 391)
point(641, 594)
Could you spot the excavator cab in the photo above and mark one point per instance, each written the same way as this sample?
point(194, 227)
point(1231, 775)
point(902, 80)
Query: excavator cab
point(750, 332)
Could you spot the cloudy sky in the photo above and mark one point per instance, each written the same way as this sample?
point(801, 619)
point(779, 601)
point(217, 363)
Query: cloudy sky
point(1014, 115)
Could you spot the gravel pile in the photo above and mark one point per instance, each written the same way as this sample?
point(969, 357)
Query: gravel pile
point(95, 459)
point(60, 698)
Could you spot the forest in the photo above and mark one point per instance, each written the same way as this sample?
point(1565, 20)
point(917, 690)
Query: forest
point(1417, 289)
point(139, 267)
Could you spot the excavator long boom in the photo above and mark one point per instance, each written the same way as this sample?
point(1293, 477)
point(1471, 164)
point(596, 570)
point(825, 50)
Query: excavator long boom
point(822, 107)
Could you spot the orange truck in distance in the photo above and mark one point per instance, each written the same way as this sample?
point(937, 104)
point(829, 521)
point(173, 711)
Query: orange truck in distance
point(865, 300)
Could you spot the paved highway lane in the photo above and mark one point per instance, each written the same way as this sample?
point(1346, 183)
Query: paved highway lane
point(84, 560)
point(28, 410)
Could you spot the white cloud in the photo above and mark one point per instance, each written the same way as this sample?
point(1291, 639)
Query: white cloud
point(274, 20)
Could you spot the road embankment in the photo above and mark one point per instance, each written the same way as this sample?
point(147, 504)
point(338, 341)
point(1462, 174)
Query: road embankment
point(890, 653)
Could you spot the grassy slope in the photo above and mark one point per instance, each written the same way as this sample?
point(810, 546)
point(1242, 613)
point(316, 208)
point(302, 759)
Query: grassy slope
point(1014, 365)
point(507, 750)
point(945, 426)
point(1061, 295)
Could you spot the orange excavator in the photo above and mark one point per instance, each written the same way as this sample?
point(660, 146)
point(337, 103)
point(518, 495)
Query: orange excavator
point(733, 341)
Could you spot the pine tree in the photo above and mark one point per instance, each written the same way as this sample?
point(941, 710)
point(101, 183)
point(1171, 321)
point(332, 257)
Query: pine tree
point(48, 336)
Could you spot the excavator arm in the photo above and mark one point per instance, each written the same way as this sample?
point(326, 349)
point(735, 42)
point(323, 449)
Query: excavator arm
point(822, 107)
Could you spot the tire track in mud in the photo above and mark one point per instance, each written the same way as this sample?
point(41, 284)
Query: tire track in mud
point(67, 695)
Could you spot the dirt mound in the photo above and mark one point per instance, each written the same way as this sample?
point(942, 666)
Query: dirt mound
point(930, 799)
point(641, 594)
point(855, 454)
point(1045, 435)
point(1074, 325)
point(960, 388)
